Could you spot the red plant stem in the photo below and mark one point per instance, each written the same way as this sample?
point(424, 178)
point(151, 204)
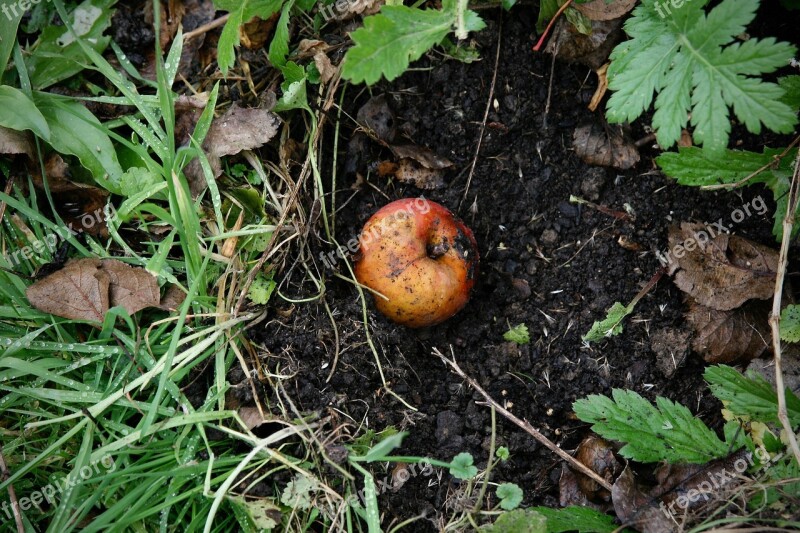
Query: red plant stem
point(550, 25)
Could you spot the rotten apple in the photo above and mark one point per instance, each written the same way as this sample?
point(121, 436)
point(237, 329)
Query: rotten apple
point(419, 259)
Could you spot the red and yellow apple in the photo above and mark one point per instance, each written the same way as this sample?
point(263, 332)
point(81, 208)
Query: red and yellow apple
point(419, 259)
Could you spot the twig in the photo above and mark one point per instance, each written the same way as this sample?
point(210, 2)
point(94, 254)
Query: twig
point(775, 316)
point(522, 423)
point(752, 175)
point(206, 27)
point(12, 495)
point(486, 112)
point(550, 25)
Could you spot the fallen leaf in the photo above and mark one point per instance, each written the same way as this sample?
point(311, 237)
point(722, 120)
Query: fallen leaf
point(351, 9)
point(736, 335)
point(13, 142)
point(605, 146)
point(172, 299)
point(85, 289)
point(634, 506)
point(254, 33)
point(604, 10)
point(378, 119)
point(671, 347)
point(241, 129)
point(326, 69)
point(598, 455)
point(424, 156)
point(570, 45)
point(723, 271)
point(570, 493)
point(602, 87)
point(409, 171)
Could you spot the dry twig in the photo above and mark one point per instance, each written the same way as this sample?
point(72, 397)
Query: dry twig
point(523, 424)
point(775, 315)
point(12, 495)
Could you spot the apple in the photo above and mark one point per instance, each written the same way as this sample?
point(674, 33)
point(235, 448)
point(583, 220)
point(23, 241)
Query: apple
point(420, 259)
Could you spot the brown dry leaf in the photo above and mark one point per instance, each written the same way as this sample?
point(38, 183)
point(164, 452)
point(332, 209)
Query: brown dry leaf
point(172, 299)
point(85, 289)
point(736, 335)
point(634, 506)
point(598, 455)
point(720, 271)
point(251, 416)
point(171, 17)
point(326, 69)
point(241, 129)
point(422, 155)
point(605, 146)
point(378, 119)
point(570, 493)
point(351, 9)
point(604, 10)
point(686, 139)
point(572, 46)
point(13, 142)
point(255, 33)
point(602, 87)
point(409, 171)
point(132, 288)
point(671, 347)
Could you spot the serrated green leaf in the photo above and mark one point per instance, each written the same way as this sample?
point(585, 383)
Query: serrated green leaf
point(696, 167)
point(609, 326)
point(57, 55)
point(580, 519)
point(691, 61)
point(299, 492)
point(241, 11)
point(665, 432)
point(279, 46)
point(518, 334)
point(749, 395)
point(791, 91)
point(510, 496)
point(294, 88)
point(391, 39)
point(462, 467)
point(790, 323)
point(20, 112)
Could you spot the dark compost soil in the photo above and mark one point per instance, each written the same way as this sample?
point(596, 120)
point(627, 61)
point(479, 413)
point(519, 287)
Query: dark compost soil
point(545, 262)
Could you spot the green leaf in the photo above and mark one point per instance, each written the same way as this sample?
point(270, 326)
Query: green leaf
point(502, 453)
point(57, 55)
point(518, 521)
point(696, 167)
point(749, 395)
point(8, 31)
point(791, 88)
point(294, 89)
point(790, 323)
point(391, 39)
point(279, 47)
point(240, 12)
point(510, 496)
point(299, 493)
point(664, 432)
point(580, 519)
point(547, 10)
point(691, 61)
point(261, 290)
point(137, 179)
point(518, 334)
point(609, 326)
point(76, 131)
point(462, 467)
point(20, 113)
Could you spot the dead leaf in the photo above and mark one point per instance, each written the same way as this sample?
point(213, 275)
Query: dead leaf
point(251, 416)
point(570, 493)
point(378, 119)
point(736, 335)
point(686, 139)
point(598, 455)
point(326, 69)
point(424, 156)
point(602, 87)
point(671, 347)
point(605, 146)
point(634, 506)
point(604, 10)
point(172, 299)
point(237, 130)
point(409, 171)
point(720, 271)
point(352, 8)
point(85, 289)
point(13, 142)
point(572, 46)
point(255, 33)
point(241, 129)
